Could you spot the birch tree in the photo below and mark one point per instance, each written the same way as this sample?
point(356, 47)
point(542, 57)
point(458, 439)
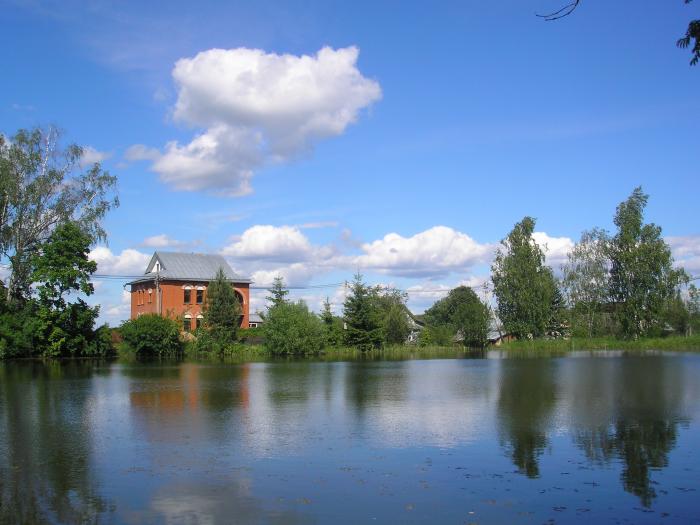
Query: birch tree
point(43, 185)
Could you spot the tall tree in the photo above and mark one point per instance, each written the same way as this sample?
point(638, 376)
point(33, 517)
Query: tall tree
point(63, 268)
point(642, 277)
point(362, 316)
point(524, 286)
point(222, 310)
point(463, 313)
point(278, 292)
point(42, 186)
point(585, 281)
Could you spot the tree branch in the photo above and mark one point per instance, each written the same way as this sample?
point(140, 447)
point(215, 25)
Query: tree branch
point(561, 13)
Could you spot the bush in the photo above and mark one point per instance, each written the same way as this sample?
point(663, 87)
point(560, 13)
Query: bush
point(291, 329)
point(152, 335)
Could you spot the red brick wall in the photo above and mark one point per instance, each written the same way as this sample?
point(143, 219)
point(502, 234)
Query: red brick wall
point(173, 298)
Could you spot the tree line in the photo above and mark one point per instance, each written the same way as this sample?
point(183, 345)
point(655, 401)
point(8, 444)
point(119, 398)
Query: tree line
point(622, 284)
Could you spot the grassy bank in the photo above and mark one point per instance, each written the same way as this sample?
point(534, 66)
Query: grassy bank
point(605, 343)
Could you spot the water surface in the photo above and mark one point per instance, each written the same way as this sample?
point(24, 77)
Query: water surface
point(583, 438)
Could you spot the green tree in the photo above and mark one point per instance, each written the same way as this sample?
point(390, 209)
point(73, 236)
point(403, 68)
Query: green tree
point(362, 316)
point(585, 282)
point(394, 315)
point(278, 292)
point(152, 335)
point(333, 325)
point(642, 277)
point(291, 329)
point(464, 314)
point(524, 286)
point(222, 311)
point(41, 187)
point(63, 268)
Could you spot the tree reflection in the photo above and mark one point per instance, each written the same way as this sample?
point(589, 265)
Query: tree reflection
point(45, 465)
point(526, 400)
point(642, 424)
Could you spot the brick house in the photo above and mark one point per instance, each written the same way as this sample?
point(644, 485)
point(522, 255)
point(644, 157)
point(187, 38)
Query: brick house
point(175, 285)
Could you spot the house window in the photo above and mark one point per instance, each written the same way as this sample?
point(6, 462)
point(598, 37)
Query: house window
point(200, 296)
point(150, 296)
point(199, 322)
point(187, 324)
point(188, 296)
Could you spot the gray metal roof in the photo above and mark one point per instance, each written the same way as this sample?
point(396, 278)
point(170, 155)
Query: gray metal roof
point(255, 318)
point(189, 267)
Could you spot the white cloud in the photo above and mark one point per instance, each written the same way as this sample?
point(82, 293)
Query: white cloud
point(162, 241)
point(555, 249)
point(437, 251)
point(257, 108)
point(141, 152)
point(128, 262)
point(686, 252)
point(91, 156)
point(271, 243)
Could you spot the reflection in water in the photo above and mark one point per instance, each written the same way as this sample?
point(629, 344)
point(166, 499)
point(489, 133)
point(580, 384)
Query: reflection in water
point(525, 405)
point(46, 470)
point(292, 442)
point(637, 418)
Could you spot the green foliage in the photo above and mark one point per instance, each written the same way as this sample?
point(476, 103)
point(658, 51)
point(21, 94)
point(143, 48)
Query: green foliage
point(63, 268)
point(362, 316)
point(222, 312)
point(675, 316)
point(291, 329)
point(585, 283)
point(523, 285)
point(152, 335)
point(461, 313)
point(21, 330)
point(332, 325)
point(693, 306)
point(436, 335)
point(394, 315)
point(278, 293)
point(642, 277)
point(41, 187)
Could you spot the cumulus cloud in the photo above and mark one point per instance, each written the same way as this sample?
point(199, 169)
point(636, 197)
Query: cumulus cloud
point(283, 244)
point(686, 252)
point(437, 251)
point(128, 262)
point(555, 249)
point(91, 156)
point(256, 108)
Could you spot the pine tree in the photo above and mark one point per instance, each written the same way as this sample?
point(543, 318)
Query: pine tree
point(362, 317)
point(278, 292)
point(222, 310)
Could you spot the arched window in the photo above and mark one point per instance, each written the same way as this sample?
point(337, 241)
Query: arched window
point(187, 295)
point(200, 320)
point(187, 323)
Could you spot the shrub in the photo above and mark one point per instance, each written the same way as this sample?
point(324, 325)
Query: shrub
point(152, 335)
point(291, 329)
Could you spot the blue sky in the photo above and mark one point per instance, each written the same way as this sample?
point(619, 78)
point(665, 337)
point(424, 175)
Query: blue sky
point(407, 150)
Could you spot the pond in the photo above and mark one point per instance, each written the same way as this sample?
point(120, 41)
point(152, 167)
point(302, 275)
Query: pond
point(600, 437)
